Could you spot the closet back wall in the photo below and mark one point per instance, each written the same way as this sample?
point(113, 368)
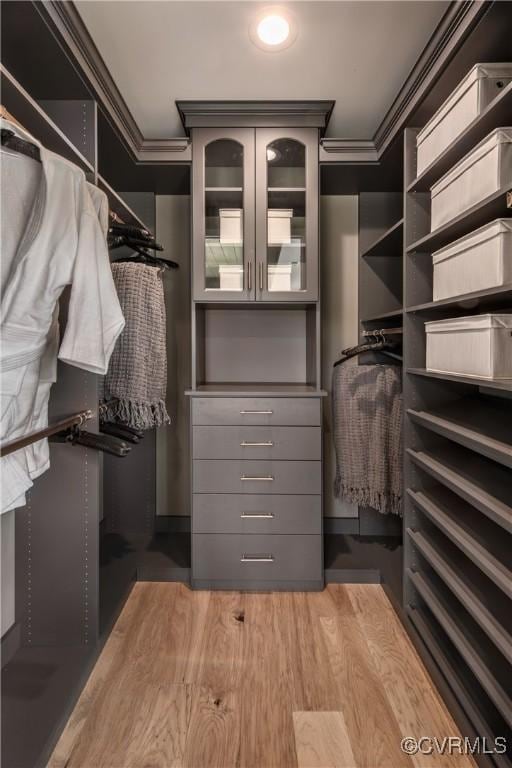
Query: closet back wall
point(173, 449)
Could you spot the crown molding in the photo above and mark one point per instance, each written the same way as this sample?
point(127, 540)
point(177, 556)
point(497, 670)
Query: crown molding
point(62, 16)
point(255, 114)
point(66, 23)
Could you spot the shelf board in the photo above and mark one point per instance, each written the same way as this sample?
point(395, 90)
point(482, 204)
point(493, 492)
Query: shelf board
point(483, 429)
point(256, 390)
point(490, 298)
point(496, 113)
point(492, 207)
point(480, 482)
point(119, 206)
point(499, 384)
point(383, 316)
point(462, 591)
point(35, 120)
point(444, 661)
point(286, 189)
point(478, 539)
point(224, 189)
point(463, 644)
point(388, 244)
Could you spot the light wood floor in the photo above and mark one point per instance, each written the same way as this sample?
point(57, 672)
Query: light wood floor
point(223, 679)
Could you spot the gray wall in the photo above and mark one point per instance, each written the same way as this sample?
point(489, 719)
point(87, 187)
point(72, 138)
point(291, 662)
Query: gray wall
point(339, 275)
point(173, 451)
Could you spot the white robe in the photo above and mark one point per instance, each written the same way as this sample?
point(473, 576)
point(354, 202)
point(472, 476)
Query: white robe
point(54, 238)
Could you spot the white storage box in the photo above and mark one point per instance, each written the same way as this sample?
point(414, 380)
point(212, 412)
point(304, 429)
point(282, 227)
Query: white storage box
point(480, 260)
point(279, 277)
point(473, 94)
point(231, 226)
point(279, 226)
point(486, 169)
point(479, 346)
point(231, 277)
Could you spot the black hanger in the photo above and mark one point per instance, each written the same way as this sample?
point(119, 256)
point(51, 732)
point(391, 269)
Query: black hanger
point(147, 258)
point(118, 241)
point(130, 230)
point(384, 346)
point(122, 431)
point(13, 142)
point(104, 443)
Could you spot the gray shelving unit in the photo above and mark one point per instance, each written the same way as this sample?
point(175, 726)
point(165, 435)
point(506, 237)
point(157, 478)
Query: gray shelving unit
point(458, 470)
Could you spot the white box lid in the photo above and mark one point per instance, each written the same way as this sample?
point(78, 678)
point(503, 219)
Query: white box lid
point(478, 72)
point(475, 322)
point(280, 269)
point(492, 140)
point(235, 269)
point(230, 213)
point(280, 213)
point(487, 232)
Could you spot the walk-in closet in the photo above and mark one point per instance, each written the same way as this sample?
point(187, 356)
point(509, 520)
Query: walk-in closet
point(256, 358)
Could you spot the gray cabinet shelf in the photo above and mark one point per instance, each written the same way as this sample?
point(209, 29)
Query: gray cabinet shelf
point(472, 424)
point(497, 113)
point(478, 481)
point(499, 384)
point(478, 539)
point(394, 313)
point(463, 593)
point(488, 299)
point(388, 244)
point(464, 646)
point(492, 207)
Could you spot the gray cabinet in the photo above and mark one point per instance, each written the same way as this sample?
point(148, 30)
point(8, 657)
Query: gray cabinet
point(255, 214)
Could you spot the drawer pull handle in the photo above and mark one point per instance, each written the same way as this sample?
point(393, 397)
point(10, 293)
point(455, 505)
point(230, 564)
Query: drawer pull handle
point(264, 478)
point(257, 559)
point(260, 413)
point(257, 515)
point(264, 444)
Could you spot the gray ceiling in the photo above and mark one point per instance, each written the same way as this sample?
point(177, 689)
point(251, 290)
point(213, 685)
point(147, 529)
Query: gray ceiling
point(358, 53)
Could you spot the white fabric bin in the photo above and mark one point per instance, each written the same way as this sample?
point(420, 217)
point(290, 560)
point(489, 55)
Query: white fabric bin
point(279, 226)
point(231, 226)
point(231, 277)
point(279, 277)
point(473, 94)
point(479, 346)
point(486, 169)
point(475, 262)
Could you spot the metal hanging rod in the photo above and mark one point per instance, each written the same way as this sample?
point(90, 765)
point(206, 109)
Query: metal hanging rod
point(52, 429)
point(383, 332)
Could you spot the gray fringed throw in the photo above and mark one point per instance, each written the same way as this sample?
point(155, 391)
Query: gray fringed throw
point(135, 385)
point(367, 415)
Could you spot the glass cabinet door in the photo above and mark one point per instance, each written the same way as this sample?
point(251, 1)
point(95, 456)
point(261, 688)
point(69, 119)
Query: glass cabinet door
point(223, 214)
point(287, 220)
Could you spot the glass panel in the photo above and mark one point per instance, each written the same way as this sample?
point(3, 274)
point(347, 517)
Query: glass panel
point(224, 223)
point(286, 216)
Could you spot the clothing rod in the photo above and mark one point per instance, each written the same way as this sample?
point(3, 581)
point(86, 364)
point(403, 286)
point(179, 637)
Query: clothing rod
point(383, 331)
point(52, 429)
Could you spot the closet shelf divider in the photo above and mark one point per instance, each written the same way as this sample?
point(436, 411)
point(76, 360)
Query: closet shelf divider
point(388, 244)
point(500, 384)
point(488, 298)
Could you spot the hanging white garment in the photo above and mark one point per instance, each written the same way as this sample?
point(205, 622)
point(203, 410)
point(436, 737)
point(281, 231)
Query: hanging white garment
point(51, 237)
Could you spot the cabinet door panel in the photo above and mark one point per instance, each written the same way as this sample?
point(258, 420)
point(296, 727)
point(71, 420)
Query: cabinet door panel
point(223, 214)
point(287, 214)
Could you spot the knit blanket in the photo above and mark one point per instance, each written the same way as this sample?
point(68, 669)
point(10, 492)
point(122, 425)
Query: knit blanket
point(367, 416)
point(136, 382)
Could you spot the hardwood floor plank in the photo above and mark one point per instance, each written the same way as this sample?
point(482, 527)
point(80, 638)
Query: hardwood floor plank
point(267, 737)
point(214, 733)
point(373, 730)
point(322, 740)
point(418, 708)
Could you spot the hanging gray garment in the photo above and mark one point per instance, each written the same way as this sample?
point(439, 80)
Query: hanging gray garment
point(367, 415)
point(135, 385)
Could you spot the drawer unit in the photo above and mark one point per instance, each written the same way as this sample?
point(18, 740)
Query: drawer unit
point(249, 442)
point(257, 561)
point(278, 411)
point(251, 513)
point(297, 477)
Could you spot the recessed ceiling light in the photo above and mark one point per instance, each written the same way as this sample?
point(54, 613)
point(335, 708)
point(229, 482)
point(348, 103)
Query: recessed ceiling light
point(273, 29)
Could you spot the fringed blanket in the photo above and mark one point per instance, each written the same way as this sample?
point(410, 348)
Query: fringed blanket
point(135, 385)
point(367, 415)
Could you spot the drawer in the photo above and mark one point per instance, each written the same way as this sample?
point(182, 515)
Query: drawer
point(252, 559)
point(291, 477)
point(297, 443)
point(249, 513)
point(281, 411)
